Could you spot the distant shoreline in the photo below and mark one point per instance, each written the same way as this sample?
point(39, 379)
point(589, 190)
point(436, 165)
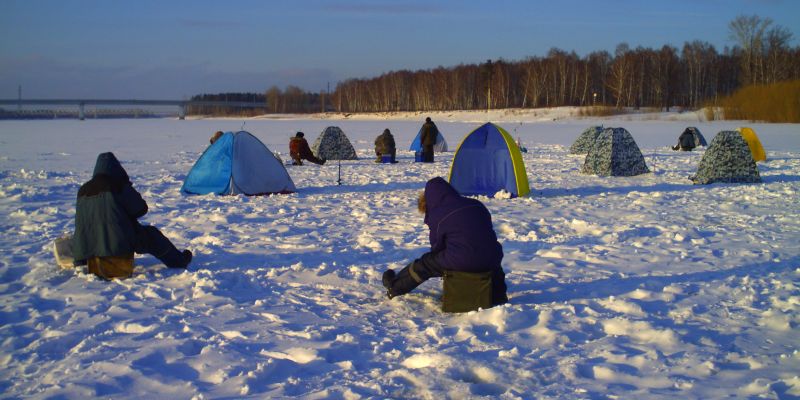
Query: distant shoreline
point(499, 115)
point(511, 115)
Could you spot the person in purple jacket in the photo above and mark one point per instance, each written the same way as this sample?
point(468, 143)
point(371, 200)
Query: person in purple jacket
point(462, 239)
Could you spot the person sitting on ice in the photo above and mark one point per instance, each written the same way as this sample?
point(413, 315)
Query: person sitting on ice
point(107, 227)
point(385, 146)
point(685, 141)
point(464, 250)
point(299, 150)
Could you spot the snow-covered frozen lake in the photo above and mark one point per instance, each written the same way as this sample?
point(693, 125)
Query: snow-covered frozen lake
point(646, 286)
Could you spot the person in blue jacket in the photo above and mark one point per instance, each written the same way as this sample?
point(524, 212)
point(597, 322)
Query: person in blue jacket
point(106, 219)
point(462, 239)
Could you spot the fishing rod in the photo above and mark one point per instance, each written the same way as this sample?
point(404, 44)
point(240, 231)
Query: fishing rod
point(339, 181)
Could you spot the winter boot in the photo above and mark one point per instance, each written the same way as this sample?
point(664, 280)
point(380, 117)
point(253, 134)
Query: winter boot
point(187, 258)
point(401, 283)
point(176, 259)
point(388, 277)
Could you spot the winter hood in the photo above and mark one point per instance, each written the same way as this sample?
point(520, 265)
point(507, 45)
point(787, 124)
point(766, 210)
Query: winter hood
point(440, 199)
point(108, 164)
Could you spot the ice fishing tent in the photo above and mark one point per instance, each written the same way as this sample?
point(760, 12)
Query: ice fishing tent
point(728, 159)
point(753, 142)
point(699, 139)
point(440, 146)
point(488, 161)
point(585, 141)
point(333, 144)
point(614, 153)
point(238, 163)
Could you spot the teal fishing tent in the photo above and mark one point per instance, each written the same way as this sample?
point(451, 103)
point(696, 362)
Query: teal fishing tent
point(238, 163)
point(440, 146)
point(488, 161)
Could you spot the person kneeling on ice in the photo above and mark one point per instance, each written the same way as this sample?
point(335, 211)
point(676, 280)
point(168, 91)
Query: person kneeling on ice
point(107, 230)
point(464, 251)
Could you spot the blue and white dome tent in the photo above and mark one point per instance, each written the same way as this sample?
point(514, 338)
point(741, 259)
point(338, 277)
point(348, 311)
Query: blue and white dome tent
point(238, 163)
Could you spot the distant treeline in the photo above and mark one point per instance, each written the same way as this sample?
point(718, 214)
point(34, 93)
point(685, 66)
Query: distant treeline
point(694, 76)
point(232, 97)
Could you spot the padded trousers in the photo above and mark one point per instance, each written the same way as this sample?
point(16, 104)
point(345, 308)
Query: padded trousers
point(149, 240)
point(427, 153)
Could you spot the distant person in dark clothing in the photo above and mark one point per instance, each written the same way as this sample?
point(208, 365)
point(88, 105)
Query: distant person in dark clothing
point(462, 239)
point(217, 135)
point(106, 219)
point(384, 145)
point(685, 141)
point(428, 139)
point(299, 150)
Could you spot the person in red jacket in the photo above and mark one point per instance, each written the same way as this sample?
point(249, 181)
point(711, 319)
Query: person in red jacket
point(299, 150)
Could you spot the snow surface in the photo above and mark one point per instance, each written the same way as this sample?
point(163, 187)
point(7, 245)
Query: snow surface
point(619, 287)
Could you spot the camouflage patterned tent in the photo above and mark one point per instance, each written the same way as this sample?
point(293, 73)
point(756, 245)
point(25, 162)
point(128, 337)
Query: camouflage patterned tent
point(332, 144)
point(728, 159)
point(614, 153)
point(585, 140)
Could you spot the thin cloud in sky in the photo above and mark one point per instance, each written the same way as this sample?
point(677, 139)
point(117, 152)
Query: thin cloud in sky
point(387, 9)
point(209, 23)
point(43, 77)
point(679, 14)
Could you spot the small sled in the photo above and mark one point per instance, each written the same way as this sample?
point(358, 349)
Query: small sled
point(62, 250)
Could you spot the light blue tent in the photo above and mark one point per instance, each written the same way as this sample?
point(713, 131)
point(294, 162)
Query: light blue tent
point(488, 161)
point(440, 146)
point(238, 163)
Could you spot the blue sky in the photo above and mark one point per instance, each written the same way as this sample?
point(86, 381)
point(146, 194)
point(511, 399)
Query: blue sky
point(173, 49)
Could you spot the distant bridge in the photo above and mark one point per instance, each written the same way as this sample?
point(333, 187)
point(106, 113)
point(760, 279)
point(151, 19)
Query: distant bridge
point(181, 104)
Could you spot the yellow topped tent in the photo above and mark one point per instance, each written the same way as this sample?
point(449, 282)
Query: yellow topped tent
point(751, 138)
point(488, 161)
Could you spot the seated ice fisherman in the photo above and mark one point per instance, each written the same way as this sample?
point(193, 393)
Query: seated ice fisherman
point(107, 230)
point(464, 250)
point(299, 150)
point(385, 146)
point(685, 141)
